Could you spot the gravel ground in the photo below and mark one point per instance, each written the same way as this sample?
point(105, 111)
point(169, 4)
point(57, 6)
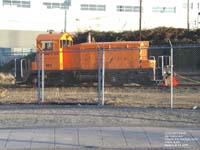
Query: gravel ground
point(17, 116)
point(126, 106)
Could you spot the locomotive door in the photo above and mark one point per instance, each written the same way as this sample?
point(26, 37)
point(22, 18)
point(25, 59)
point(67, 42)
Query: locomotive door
point(21, 69)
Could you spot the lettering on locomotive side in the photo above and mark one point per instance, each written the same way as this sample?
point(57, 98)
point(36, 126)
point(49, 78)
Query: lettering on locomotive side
point(49, 65)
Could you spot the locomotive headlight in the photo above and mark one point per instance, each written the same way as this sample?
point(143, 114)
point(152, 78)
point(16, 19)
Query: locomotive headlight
point(141, 44)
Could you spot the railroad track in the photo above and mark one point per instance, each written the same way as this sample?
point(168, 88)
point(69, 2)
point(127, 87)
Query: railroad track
point(184, 85)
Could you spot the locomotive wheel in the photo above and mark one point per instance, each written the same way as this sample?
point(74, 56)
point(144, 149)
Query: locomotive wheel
point(115, 81)
point(35, 81)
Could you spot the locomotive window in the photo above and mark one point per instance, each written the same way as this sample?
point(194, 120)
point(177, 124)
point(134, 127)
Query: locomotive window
point(47, 45)
point(65, 43)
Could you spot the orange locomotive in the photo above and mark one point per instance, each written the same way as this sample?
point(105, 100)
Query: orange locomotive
point(65, 63)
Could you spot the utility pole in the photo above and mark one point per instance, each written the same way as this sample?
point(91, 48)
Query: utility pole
point(188, 15)
point(66, 5)
point(140, 20)
point(198, 20)
point(65, 22)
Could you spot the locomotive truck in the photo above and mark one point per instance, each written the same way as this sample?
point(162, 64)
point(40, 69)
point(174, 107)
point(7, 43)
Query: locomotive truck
point(67, 63)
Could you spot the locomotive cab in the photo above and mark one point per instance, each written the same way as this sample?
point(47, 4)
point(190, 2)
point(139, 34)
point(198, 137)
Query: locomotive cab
point(52, 45)
point(53, 41)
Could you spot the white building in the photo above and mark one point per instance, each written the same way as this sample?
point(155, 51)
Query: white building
point(101, 15)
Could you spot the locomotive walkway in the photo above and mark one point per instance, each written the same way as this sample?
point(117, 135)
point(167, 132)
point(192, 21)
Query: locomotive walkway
point(142, 138)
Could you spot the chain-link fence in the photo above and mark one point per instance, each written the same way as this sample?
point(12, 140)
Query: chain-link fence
point(187, 73)
point(129, 75)
point(68, 80)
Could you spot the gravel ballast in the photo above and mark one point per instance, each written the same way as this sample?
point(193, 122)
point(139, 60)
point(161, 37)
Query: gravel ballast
point(16, 116)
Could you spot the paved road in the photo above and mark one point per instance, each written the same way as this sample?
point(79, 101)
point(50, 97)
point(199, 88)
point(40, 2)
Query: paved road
point(141, 138)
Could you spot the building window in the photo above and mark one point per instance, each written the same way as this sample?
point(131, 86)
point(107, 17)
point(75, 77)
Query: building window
point(101, 7)
point(25, 4)
point(164, 9)
point(93, 7)
point(62, 6)
point(84, 7)
point(48, 5)
point(54, 5)
point(6, 2)
point(121, 8)
point(184, 5)
point(18, 3)
point(191, 5)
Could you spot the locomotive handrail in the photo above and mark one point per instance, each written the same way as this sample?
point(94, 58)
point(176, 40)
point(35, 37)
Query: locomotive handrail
point(163, 62)
point(175, 47)
point(154, 68)
point(22, 75)
point(15, 67)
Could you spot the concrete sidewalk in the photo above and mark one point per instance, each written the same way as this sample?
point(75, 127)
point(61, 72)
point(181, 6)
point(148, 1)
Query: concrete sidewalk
point(100, 138)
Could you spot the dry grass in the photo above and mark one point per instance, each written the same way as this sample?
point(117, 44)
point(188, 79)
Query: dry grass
point(6, 78)
point(127, 96)
point(136, 97)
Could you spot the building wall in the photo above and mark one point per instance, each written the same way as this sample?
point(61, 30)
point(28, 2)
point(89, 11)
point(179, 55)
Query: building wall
point(18, 38)
point(5, 54)
point(155, 13)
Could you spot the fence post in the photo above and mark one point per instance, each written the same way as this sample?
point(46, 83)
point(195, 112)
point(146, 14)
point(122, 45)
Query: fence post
point(103, 75)
point(39, 96)
point(99, 77)
point(172, 72)
point(15, 67)
point(42, 77)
